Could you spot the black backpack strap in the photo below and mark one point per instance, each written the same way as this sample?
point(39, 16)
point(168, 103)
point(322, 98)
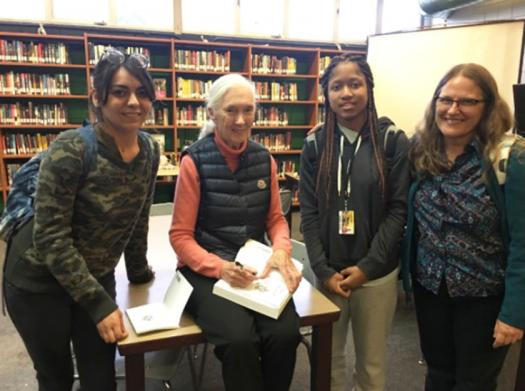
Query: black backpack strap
point(390, 136)
point(311, 139)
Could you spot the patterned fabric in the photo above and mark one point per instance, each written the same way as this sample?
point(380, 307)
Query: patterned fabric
point(81, 230)
point(459, 232)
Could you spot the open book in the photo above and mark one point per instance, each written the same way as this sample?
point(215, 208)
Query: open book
point(267, 296)
point(165, 315)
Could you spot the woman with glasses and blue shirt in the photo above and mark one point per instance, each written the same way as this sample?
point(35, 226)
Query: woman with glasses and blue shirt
point(94, 193)
point(465, 245)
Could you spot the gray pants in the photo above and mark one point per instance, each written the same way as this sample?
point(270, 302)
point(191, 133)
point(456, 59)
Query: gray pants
point(370, 311)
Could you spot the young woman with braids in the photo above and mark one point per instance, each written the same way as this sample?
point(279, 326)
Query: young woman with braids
point(353, 208)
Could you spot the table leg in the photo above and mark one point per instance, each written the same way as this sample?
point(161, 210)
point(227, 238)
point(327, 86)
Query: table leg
point(135, 372)
point(520, 375)
point(321, 363)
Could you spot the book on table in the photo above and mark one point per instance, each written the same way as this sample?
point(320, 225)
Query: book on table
point(267, 296)
point(166, 315)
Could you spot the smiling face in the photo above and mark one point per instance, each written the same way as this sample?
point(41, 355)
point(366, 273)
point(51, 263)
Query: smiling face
point(348, 95)
point(127, 104)
point(234, 116)
point(458, 122)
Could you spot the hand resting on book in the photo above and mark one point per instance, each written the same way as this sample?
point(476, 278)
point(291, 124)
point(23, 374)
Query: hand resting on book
point(281, 260)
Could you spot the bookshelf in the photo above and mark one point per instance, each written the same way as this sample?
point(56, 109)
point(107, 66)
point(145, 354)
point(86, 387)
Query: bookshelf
point(45, 80)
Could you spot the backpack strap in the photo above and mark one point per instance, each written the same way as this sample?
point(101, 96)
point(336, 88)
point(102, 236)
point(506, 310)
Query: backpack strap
point(89, 136)
point(152, 150)
point(390, 137)
point(312, 151)
point(500, 156)
point(147, 141)
point(390, 141)
point(311, 138)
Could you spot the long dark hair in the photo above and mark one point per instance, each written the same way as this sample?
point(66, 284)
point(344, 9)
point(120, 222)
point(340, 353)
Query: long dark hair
point(103, 75)
point(324, 173)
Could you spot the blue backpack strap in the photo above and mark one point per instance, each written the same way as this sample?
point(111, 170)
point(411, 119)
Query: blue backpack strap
point(89, 160)
point(19, 208)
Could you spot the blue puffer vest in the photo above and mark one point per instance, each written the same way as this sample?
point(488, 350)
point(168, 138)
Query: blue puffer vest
point(233, 206)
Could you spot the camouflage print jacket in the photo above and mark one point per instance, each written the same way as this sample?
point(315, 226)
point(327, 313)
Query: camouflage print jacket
point(81, 232)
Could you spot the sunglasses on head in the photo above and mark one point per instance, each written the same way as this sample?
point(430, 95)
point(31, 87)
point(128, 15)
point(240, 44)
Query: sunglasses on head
point(117, 57)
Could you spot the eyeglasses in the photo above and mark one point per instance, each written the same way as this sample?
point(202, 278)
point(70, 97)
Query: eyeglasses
point(117, 57)
point(445, 101)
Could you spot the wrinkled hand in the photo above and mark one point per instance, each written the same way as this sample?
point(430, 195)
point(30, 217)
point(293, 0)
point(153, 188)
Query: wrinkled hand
point(505, 334)
point(281, 260)
point(237, 276)
point(353, 278)
point(111, 328)
point(333, 284)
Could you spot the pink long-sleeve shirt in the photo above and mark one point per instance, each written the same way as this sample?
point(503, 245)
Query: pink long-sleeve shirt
point(186, 208)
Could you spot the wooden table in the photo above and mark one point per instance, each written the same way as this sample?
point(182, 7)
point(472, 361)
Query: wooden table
point(314, 309)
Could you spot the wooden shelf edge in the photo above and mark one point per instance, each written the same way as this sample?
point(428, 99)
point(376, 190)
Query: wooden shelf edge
point(40, 64)
point(288, 102)
point(43, 37)
point(39, 126)
point(278, 75)
point(106, 37)
point(212, 73)
point(30, 96)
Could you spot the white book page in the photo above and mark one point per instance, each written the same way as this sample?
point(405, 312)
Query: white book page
point(151, 317)
point(177, 295)
point(165, 315)
point(271, 290)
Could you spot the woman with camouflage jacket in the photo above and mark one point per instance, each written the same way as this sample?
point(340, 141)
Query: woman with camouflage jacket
point(92, 204)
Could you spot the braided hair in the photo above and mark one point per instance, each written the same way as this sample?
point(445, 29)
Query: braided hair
point(324, 173)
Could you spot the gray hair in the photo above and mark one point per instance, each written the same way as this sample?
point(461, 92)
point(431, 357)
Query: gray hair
point(217, 91)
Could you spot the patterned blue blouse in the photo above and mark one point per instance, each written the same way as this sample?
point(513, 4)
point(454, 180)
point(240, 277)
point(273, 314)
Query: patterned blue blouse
point(459, 235)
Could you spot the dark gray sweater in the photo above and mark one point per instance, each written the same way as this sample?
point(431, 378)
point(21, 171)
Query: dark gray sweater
point(379, 221)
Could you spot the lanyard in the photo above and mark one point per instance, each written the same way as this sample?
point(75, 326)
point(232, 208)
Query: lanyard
point(348, 166)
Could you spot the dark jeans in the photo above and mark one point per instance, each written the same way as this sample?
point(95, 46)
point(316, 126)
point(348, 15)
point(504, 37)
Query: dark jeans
point(456, 340)
point(48, 324)
point(257, 352)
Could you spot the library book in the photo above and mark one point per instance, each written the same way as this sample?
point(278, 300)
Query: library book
point(267, 296)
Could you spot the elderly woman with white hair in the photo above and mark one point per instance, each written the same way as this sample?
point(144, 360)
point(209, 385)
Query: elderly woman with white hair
point(227, 192)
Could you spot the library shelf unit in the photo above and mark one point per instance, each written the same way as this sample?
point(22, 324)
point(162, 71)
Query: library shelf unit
point(52, 74)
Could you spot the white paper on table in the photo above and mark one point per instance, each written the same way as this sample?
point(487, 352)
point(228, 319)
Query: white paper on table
point(165, 315)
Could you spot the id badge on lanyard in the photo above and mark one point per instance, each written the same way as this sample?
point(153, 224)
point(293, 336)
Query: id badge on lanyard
point(346, 216)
